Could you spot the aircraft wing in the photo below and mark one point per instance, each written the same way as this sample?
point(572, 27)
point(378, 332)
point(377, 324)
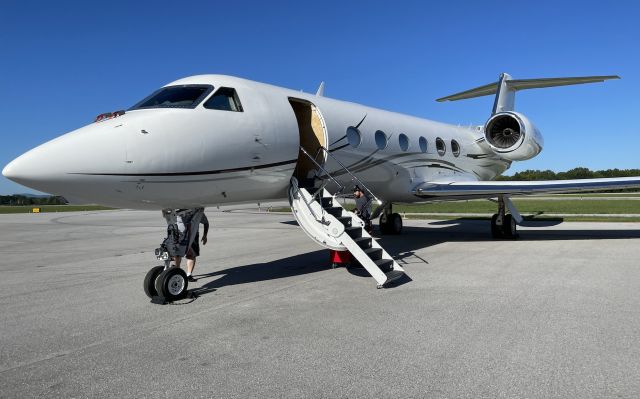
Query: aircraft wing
point(490, 189)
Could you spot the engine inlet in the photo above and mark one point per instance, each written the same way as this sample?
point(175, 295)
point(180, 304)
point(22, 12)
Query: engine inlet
point(503, 131)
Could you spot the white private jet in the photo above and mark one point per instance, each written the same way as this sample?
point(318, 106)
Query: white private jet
point(209, 140)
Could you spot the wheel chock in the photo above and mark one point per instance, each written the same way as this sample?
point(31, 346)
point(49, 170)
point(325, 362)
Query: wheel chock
point(159, 300)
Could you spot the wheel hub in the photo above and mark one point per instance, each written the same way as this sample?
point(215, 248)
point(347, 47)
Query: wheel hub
point(176, 285)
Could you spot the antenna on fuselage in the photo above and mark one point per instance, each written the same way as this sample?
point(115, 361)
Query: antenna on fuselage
point(320, 91)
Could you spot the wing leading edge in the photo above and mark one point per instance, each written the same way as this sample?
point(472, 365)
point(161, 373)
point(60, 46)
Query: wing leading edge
point(490, 189)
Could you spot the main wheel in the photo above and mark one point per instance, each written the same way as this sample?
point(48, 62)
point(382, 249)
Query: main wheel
point(150, 281)
point(496, 231)
point(172, 284)
point(395, 224)
point(384, 224)
point(509, 229)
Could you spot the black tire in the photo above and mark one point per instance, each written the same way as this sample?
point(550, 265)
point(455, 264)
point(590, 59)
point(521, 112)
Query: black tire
point(150, 281)
point(395, 223)
point(172, 284)
point(496, 231)
point(509, 229)
point(384, 224)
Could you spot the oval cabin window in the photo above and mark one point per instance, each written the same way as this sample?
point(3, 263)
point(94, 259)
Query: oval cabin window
point(423, 144)
point(403, 141)
point(381, 140)
point(455, 148)
point(440, 146)
point(354, 137)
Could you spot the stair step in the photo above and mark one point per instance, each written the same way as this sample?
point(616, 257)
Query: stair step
point(335, 210)
point(363, 242)
point(354, 232)
point(386, 265)
point(393, 276)
point(374, 253)
point(327, 202)
point(346, 220)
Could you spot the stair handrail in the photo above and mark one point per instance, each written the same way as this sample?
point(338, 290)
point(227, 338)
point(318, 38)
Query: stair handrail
point(341, 187)
point(360, 183)
point(294, 183)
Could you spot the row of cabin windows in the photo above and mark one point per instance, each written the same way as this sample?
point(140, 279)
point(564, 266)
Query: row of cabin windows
point(189, 96)
point(354, 137)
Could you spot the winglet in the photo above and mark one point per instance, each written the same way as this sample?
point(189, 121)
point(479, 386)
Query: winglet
point(320, 91)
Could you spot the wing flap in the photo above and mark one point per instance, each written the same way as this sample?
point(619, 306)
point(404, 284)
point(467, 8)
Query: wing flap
point(489, 189)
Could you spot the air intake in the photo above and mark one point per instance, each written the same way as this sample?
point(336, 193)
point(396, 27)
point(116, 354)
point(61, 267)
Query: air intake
point(503, 131)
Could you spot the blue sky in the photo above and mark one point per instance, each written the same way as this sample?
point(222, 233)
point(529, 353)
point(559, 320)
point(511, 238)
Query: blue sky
point(62, 63)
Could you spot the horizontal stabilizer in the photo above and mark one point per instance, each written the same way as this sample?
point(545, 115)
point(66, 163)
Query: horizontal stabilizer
point(523, 84)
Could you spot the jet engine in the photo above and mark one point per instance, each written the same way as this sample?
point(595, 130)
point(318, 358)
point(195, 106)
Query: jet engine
point(513, 136)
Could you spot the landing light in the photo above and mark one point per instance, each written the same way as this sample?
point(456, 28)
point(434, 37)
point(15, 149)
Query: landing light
point(109, 115)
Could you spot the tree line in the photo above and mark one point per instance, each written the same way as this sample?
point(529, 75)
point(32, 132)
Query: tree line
point(17, 199)
point(575, 173)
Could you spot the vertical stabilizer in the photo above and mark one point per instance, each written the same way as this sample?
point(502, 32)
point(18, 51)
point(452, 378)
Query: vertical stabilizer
point(505, 95)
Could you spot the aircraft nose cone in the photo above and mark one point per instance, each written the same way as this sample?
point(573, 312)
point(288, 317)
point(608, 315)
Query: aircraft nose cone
point(9, 171)
point(29, 169)
point(17, 171)
point(65, 165)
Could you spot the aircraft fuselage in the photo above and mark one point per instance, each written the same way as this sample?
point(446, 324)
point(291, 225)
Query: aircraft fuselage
point(170, 157)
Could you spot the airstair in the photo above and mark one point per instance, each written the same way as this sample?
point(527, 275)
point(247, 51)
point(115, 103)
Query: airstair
point(324, 220)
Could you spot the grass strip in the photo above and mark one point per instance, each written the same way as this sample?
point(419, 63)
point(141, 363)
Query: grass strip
point(51, 208)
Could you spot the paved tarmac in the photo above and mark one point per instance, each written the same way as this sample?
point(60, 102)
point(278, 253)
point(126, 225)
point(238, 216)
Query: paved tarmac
point(554, 314)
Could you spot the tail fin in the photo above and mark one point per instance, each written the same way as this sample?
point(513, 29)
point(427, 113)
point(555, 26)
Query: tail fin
point(505, 89)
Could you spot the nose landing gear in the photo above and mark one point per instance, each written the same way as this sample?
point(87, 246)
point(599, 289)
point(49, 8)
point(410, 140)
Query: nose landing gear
point(169, 283)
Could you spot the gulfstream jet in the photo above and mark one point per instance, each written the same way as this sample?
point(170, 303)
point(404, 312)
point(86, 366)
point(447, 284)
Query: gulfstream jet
point(210, 139)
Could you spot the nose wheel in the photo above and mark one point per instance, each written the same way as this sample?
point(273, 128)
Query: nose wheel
point(150, 281)
point(172, 284)
point(165, 284)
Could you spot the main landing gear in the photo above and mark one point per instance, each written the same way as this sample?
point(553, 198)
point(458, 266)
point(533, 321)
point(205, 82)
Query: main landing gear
point(390, 223)
point(504, 225)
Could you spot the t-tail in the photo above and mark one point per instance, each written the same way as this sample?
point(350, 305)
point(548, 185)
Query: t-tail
point(510, 134)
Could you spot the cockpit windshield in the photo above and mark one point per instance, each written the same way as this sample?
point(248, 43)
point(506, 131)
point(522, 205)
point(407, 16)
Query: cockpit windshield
point(184, 96)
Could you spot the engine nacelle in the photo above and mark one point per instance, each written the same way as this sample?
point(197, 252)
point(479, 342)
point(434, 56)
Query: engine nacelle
point(513, 136)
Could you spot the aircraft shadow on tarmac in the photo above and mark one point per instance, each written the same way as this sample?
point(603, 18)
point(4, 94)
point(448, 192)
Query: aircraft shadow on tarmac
point(402, 248)
point(296, 265)
point(465, 230)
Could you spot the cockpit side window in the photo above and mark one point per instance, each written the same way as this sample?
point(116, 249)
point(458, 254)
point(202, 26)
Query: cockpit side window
point(184, 96)
point(225, 99)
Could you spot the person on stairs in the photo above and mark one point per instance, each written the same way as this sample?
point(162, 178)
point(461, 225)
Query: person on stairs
point(363, 208)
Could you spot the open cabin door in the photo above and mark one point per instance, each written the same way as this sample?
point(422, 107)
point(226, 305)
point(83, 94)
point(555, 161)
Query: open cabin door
point(313, 136)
